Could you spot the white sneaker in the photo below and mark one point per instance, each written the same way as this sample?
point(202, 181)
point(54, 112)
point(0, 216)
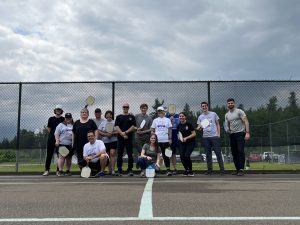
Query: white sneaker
point(46, 173)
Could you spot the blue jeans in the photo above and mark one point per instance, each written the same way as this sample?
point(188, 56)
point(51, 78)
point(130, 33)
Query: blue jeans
point(213, 144)
point(237, 143)
point(144, 163)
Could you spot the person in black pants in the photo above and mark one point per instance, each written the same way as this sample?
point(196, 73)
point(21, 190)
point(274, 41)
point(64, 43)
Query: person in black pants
point(187, 144)
point(53, 121)
point(125, 126)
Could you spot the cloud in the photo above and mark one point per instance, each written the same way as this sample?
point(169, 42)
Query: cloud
point(141, 40)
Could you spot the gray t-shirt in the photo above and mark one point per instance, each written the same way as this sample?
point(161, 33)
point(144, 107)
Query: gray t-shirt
point(234, 122)
point(151, 152)
point(211, 130)
point(64, 131)
point(98, 122)
point(102, 127)
point(138, 119)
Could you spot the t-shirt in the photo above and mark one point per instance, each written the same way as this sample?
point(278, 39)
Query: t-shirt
point(80, 130)
point(175, 122)
point(139, 118)
point(151, 152)
point(234, 121)
point(93, 149)
point(53, 121)
point(211, 130)
point(64, 131)
point(102, 127)
point(186, 130)
point(161, 126)
point(124, 122)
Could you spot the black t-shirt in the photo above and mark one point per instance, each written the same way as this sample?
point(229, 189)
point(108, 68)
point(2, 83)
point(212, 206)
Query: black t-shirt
point(80, 131)
point(125, 122)
point(186, 130)
point(52, 124)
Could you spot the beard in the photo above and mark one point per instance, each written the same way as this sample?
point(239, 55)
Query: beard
point(230, 106)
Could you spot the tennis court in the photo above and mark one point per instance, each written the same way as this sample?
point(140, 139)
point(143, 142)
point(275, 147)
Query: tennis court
point(252, 199)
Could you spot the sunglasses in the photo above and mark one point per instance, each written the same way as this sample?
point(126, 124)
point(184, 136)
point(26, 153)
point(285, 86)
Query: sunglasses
point(125, 107)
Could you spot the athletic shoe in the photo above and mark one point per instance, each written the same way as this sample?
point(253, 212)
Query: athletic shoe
point(185, 173)
point(118, 173)
point(175, 172)
point(191, 174)
point(234, 173)
point(112, 173)
point(46, 173)
point(60, 173)
point(68, 173)
point(169, 173)
point(130, 174)
point(101, 174)
point(240, 173)
point(142, 174)
point(208, 173)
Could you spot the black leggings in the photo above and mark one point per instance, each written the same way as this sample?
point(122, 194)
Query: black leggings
point(50, 152)
point(186, 149)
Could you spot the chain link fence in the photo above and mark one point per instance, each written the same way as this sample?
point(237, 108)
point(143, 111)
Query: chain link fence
point(271, 107)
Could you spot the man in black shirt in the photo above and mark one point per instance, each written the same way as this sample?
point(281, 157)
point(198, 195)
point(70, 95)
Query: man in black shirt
point(125, 125)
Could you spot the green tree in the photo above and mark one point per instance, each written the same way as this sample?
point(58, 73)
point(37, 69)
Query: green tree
point(157, 103)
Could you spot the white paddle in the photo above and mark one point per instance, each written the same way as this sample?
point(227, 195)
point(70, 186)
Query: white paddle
point(89, 101)
point(86, 172)
point(204, 123)
point(180, 137)
point(143, 124)
point(150, 172)
point(172, 108)
point(168, 152)
point(109, 127)
point(63, 151)
point(74, 159)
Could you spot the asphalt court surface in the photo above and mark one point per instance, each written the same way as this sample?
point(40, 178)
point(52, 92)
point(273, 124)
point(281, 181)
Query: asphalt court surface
point(252, 199)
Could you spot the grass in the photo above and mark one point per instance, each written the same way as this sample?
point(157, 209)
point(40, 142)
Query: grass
point(257, 166)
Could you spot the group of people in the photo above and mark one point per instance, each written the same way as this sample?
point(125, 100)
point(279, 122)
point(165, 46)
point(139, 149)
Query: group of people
point(101, 142)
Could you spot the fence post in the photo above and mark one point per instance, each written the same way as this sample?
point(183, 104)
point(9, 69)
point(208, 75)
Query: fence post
point(18, 128)
point(208, 94)
point(113, 98)
point(287, 140)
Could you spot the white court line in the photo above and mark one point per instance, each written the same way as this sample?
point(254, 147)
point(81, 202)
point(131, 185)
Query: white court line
point(146, 211)
point(100, 219)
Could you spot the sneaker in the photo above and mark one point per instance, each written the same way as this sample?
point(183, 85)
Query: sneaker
point(118, 173)
point(175, 172)
point(186, 173)
point(94, 173)
point(191, 174)
point(68, 173)
point(60, 173)
point(169, 173)
point(142, 174)
point(130, 174)
point(240, 173)
point(46, 173)
point(208, 173)
point(101, 174)
point(234, 173)
point(112, 173)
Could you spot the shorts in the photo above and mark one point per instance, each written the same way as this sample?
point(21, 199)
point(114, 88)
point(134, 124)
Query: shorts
point(111, 145)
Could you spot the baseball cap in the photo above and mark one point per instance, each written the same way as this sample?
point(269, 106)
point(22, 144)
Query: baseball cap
point(97, 110)
point(160, 108)
point(58, 107)
point(68, 115)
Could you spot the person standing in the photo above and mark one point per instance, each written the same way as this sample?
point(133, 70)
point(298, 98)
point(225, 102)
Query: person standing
point(125, 126)
point(211, 137)
point(53, 122)
point(142, 133)
point(109, 137)
point(63, 137)
point(98, 120)
point(187, 145)
point(237, 125)
point(174, 117)
point(162, 127)
point(80, 129)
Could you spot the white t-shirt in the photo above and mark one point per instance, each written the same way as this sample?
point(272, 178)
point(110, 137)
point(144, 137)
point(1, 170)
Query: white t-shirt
point(93, 149)
point(64, 131)
point(161, 126)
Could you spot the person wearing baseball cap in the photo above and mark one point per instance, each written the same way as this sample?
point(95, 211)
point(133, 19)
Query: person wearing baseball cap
point(98, 120)
point(53, 121)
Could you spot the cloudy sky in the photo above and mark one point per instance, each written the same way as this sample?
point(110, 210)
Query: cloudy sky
point(96, 40)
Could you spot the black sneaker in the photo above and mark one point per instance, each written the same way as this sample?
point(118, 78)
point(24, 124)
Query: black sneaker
point(60, 173)
point(240, 173)
point(169, 173)
point(186, 173)
point(118, 173)
point(130, 173)
point(208, 173)
point(191, 174)
point(68, 173)
point(175, 172)
point(234, 173)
